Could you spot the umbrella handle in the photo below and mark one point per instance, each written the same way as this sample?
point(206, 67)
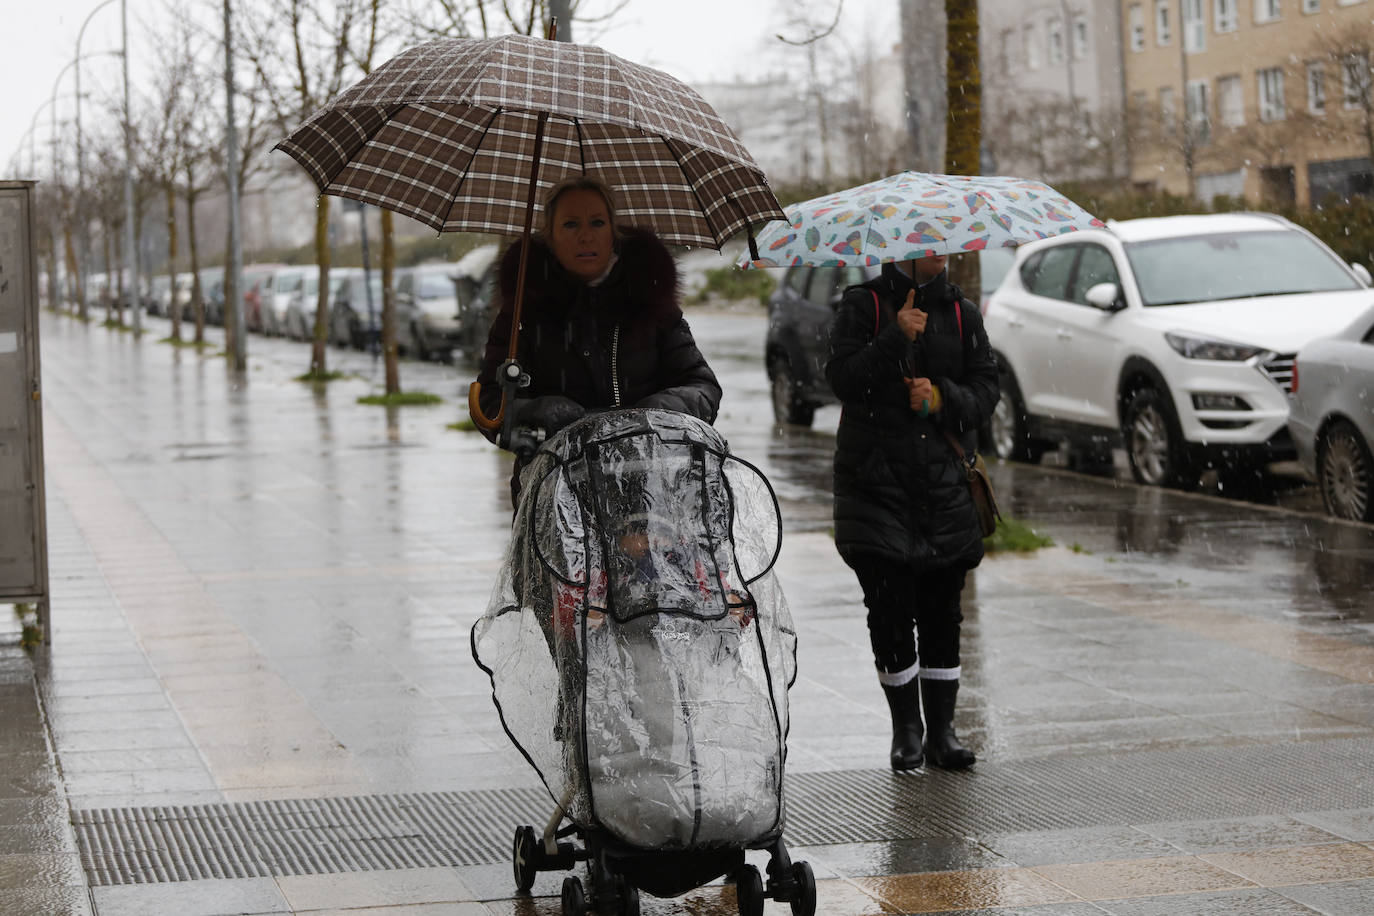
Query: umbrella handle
point(480, 419)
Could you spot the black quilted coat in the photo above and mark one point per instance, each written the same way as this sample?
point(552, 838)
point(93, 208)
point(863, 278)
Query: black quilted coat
point(622, 342)
point(900, 494)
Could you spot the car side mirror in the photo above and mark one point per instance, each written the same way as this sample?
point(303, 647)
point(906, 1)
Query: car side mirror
point(1363, 273)
point(1105, 296)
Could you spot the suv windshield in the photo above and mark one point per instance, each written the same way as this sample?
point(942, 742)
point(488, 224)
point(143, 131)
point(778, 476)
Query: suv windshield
point(1233, 265)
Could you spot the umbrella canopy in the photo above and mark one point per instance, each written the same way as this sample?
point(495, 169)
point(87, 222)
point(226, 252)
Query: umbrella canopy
point(446, 133)
point(916, 215)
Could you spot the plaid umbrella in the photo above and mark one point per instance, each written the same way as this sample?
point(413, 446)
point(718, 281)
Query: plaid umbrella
point(447, 132)
point(916, 215)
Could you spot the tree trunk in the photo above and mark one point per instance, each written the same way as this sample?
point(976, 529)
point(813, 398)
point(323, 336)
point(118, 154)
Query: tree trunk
point(72, 278)
point(174, 307)
point(105, 230)
point(389, 360)
point(197, 293)
point(118, 304)
point(231, 297)
point(964, 119)
point(964, 102)
point(318, 365)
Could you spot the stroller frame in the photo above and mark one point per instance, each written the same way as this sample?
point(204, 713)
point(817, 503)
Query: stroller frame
point(616, 870)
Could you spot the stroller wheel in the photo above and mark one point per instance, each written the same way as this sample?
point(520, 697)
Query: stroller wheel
point(574, 901)
point(804, 904)
point(628, 895)
point(523, 858)
point(749, 891)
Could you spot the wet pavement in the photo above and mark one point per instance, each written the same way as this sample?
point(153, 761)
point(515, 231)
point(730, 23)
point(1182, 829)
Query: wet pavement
point(260, 697)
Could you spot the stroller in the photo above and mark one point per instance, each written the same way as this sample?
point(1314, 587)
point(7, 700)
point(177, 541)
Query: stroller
point(640, 652)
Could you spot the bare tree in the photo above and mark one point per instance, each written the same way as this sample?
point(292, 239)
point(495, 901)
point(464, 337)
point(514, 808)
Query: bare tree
point(302, 55)
point(964, 116)
point(1347, 52)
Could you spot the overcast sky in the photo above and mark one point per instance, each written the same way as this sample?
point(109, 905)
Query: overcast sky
point(695, 40)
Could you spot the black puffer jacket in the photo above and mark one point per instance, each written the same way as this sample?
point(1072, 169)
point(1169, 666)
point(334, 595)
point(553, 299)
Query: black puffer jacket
point(578, 340)
point(900, 493)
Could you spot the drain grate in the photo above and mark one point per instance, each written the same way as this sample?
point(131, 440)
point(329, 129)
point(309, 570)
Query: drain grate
point(331, 835)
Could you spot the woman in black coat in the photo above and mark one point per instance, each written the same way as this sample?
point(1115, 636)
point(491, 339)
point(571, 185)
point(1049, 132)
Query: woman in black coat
point(912, 365)
point(600, 326)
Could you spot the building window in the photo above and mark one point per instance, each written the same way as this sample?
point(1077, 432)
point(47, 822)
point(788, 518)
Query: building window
point(1194, 26)
point(1355, 80)
point(1167, 109)
point(1226, 15)
point(1031, 41)
point(1267, 11)
point(1311, 6)
point(1230, 101)
point(1007, 43)
point(1271, 106)
point(1054, 30)
point(1162, 32)
point(1080, 37)
point(1348, 2)
point(1199, 116)
point(1316, 88)
point(1137, 20)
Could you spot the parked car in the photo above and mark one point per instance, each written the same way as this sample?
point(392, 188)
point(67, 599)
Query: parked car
point(427, 310)
point(288, 285)
point(1174, 336)
point(797, 343)
point(1332, 417)
point(160, 295)
point(258, 313)
point(303, 300)
point(212, 292)
point(475, 285)
point(353, 322)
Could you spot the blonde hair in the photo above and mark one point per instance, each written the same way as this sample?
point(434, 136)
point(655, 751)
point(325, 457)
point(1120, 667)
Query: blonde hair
point(576, 183)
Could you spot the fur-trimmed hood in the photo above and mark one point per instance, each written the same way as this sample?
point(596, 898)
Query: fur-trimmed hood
point(643, 283)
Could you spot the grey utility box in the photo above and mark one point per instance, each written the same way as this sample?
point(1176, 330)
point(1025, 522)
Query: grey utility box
point(23, 520)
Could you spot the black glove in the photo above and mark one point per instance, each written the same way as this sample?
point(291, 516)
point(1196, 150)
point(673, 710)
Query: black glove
point(550, 412)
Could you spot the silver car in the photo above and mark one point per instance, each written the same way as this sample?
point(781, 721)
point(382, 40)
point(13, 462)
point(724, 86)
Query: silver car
point(1332, 417)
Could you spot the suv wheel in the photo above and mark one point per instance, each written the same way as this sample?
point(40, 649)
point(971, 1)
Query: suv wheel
point(1009, 426)
point(787, 405)
point(1154, 442)
point(1345, 472)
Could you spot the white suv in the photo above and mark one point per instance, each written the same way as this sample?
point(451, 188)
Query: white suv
point(1173, 336)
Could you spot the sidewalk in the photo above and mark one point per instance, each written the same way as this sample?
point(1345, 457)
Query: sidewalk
point(260, 698)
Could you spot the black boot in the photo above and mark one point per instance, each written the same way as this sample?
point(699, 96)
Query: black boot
point(905, 703)
point(942, 745)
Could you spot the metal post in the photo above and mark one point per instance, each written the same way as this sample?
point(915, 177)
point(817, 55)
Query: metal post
point(130, 254)
point(234, 269)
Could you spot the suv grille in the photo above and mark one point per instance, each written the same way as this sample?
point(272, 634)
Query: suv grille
point(1279, 368)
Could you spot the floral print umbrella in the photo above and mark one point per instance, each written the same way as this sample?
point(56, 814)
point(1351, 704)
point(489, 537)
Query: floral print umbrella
point(916, 215)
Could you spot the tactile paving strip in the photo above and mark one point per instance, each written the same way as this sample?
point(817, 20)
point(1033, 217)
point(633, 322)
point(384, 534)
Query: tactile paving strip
point(331, 835)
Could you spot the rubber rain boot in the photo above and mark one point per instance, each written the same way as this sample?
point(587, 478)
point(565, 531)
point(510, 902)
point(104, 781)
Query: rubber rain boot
point(942, 745)
point(905, 703)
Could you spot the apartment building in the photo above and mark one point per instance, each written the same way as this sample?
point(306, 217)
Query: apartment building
point(1053, 95)
point(1265, 99)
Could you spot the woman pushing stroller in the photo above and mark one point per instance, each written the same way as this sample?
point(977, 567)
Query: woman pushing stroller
point(639, 648)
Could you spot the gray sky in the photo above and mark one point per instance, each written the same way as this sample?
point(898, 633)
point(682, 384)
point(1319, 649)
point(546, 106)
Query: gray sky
point(696, 40)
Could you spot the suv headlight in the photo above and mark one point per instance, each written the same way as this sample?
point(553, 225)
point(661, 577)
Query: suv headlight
point(1203, 348)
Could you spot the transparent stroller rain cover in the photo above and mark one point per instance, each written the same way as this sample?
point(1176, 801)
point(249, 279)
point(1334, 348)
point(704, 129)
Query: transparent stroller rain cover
point(639, 647)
